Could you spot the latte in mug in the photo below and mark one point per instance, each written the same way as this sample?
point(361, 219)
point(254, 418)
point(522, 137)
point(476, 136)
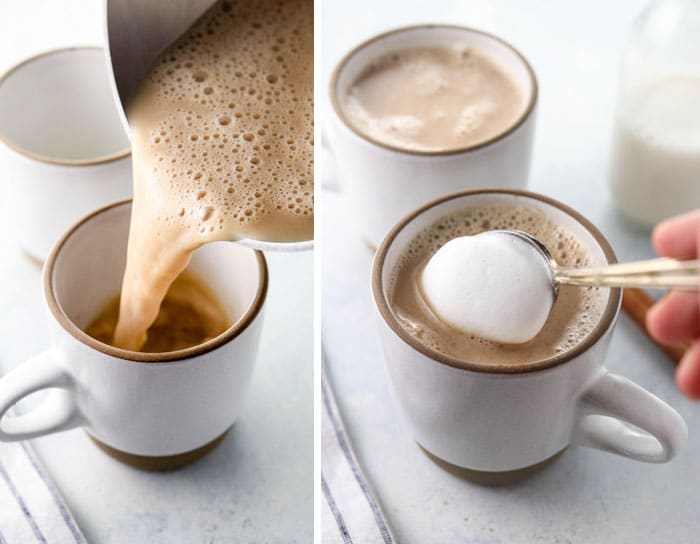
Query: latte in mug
point(574, 315)
point(189, 315)
point(501, 412)
point(434, 98)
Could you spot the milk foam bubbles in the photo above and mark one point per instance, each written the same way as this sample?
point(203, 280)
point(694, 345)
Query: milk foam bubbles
point(222, 147)
point(492, 284)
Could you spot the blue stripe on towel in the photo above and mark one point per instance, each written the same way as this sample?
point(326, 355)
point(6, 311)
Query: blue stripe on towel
point(336, 513)
point(342, 441)
point(67, 518)
point(22, 505)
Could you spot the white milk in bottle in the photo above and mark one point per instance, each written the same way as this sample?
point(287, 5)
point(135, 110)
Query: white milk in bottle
point(655, 154)
point(655, 168)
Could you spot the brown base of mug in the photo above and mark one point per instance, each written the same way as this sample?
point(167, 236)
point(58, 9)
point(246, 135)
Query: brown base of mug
point(482, 477)
point(161, 462)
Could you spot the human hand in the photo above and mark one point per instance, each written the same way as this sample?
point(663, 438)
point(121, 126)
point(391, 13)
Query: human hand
point(676, 318)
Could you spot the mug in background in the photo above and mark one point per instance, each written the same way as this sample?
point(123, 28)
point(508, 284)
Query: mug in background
point(66, 151)
point(151, 410)
point(385, 182)
point(502, 423)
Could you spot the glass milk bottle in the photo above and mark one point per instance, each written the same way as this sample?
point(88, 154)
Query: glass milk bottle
point(655, 161)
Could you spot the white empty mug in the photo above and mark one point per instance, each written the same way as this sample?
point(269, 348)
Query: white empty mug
point(152, 410)
point(384, 182)
point(504, 422)
point(66, 151)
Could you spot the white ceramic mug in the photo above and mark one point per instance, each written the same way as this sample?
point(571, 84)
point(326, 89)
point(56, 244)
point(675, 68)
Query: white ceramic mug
point(503, 422)
point(384, 182)
point(66, 151)
point(154, 410)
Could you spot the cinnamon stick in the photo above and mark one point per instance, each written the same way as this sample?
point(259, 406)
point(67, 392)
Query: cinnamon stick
point(636, 303)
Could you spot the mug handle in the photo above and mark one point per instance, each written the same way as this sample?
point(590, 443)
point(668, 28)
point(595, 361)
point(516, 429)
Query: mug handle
point(57, 412)
point(619, 416)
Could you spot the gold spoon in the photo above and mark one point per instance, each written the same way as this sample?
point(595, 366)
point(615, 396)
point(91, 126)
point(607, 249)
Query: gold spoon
point(662, 273)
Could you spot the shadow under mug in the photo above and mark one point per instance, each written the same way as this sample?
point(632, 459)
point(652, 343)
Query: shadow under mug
point(151, 410)
point(384, 182)
point(495, 423)
point(66, 151)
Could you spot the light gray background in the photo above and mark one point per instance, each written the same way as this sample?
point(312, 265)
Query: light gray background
point(587, 496)
point(257, 486)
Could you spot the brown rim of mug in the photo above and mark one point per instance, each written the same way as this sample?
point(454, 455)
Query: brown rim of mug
point(53, 160)
point(390, 319)
point(135, 356)
point(512, 128)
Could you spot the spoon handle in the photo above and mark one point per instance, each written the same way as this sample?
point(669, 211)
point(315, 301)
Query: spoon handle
point(660, 273)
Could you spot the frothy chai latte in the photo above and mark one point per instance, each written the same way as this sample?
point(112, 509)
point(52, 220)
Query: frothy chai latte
point(189, 315)
point(222, 147)
point(433, 98)
point(575, 313)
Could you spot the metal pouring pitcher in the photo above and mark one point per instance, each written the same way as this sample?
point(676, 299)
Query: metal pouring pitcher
point(137, 31)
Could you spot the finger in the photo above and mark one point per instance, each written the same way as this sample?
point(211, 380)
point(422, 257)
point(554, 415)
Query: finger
point(678, 237)
point(675, 319)
point(688, 372)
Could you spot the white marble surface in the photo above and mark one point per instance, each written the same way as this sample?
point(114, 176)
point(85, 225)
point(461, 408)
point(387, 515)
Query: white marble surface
point(257, 486)
point(587, 496)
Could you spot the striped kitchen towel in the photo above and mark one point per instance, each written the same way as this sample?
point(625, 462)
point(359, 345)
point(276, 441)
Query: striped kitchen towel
point(31, 509)
point(350, 512)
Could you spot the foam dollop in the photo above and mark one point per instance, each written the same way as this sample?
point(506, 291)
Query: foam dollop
point(492, 284)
